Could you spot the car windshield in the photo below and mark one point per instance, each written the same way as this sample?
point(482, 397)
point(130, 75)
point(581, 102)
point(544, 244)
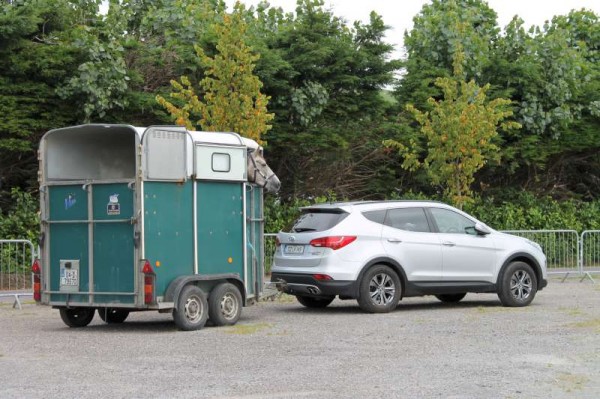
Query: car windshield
point(313, 220)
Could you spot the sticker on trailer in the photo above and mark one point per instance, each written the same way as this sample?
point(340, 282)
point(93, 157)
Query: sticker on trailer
point(70, 201)
point(113, 207)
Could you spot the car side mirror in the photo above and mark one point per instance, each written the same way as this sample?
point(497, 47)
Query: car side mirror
point(482, 229)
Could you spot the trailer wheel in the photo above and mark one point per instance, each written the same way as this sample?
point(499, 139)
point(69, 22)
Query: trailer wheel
point(77, 317)
point(113, 315)
point(192, 309)
point(225, 305)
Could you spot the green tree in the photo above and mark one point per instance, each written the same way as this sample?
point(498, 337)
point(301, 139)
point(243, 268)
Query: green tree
point(231, 97)
point(459, 132)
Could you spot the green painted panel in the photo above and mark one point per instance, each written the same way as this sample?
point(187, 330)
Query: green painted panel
point(113, 261)
point(168, 230)
point(112, 201)
point(69, 242)
point(68, 202)
point(220, 228)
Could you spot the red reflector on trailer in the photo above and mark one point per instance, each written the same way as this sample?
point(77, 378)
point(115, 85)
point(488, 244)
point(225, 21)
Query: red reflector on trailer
point(148, 282)
point(35, 268)
point(147, 269)
point(37, 281)
point(334, 242)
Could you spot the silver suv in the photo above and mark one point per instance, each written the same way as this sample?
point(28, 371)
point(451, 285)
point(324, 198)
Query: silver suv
point(380, 252)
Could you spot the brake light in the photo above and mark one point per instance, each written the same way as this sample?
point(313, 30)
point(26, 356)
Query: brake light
point(277, 242)
point(334, 242)
point(322, 277)
point(37, 281)
point(149, 277)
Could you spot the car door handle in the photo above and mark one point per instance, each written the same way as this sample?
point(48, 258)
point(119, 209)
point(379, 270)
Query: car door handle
point(448, 243)
point(394, 240)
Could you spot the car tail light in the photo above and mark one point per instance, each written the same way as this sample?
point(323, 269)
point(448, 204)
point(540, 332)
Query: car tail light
point(36, 270)
point(334, 242)
point(277, 242)
point(149, 277)
point(322, 277)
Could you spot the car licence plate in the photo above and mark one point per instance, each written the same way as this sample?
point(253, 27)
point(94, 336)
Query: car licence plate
point(294, 249)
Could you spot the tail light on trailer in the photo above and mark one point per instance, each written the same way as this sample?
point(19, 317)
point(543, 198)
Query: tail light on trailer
point(333, 242)
point(36, 271)
point(149, 277)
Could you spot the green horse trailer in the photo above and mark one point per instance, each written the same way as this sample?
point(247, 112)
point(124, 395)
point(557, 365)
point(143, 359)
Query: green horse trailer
point(157, 218)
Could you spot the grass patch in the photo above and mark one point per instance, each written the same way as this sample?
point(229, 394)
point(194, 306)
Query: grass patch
point(494, 309)
point(247, 329)
point(594, 323)
point(572, 311)
point(571, 382)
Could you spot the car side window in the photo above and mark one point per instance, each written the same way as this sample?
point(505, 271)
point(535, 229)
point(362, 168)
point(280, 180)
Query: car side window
point(375, 216)
point(451, 222)
point(409, 219)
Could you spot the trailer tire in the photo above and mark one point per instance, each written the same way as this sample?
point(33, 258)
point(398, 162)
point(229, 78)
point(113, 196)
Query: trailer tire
point(113, 315)
point(225, 305)
point(192, 309)
point(77, 317)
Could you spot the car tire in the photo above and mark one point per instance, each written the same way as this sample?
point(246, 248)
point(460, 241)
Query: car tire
point(451, 298)
point(518, 285)
point(225, 305)
point(192, 309)
point(77, 317)
point(312, 302)
point(380, 290)
point(113, 315)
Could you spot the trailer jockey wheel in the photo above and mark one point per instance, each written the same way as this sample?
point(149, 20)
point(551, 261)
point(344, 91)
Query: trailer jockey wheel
point(225, 304)
point(192, 309)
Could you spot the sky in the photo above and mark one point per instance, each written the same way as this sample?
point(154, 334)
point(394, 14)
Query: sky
point(398, 14)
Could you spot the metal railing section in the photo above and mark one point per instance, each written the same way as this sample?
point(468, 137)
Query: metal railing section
point(590, 253)
point(560, 246)
point(16, 258)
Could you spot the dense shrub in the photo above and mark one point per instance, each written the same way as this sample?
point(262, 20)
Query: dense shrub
point(21, 220)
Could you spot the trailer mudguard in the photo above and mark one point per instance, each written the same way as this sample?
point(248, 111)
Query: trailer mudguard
point(177, 285)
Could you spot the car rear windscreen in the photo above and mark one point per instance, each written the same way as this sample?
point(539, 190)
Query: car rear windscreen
point(313, 220)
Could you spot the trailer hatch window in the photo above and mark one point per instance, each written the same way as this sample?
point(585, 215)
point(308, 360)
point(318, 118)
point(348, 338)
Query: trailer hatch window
point(221, 162)
point(90, 152)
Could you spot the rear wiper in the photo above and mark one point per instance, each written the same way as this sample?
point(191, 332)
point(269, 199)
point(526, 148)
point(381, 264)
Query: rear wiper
point(303, 229)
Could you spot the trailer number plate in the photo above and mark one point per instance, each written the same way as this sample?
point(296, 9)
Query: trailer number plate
point(69, 277)
point(294, 249)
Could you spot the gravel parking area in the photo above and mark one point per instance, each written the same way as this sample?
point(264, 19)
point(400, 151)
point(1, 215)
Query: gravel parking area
point(424, 349)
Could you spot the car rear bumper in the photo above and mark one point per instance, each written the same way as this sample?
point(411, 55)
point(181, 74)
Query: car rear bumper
point(306, 284)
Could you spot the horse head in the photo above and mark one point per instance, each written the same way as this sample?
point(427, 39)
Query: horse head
point(259, 172)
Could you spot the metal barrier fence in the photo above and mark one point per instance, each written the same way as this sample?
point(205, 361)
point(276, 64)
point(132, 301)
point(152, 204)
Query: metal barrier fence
point(590, 252)
point(560, 246)
point(269, 250)
point(566, 252)
point(16, 258)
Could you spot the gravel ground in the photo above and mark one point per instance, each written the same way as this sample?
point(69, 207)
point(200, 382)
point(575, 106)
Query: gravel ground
point(424, 349)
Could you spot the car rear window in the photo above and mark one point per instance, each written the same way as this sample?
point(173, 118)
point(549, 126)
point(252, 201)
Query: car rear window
point(313, 220)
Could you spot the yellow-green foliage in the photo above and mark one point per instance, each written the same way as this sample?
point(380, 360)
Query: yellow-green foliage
point(459, 132)
point(231, 98)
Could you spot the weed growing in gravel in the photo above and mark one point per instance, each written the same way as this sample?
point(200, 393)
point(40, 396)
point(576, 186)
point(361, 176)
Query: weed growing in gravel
point(246, 329)
point(572, 311)
point(569, 382)
point(594, 323)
